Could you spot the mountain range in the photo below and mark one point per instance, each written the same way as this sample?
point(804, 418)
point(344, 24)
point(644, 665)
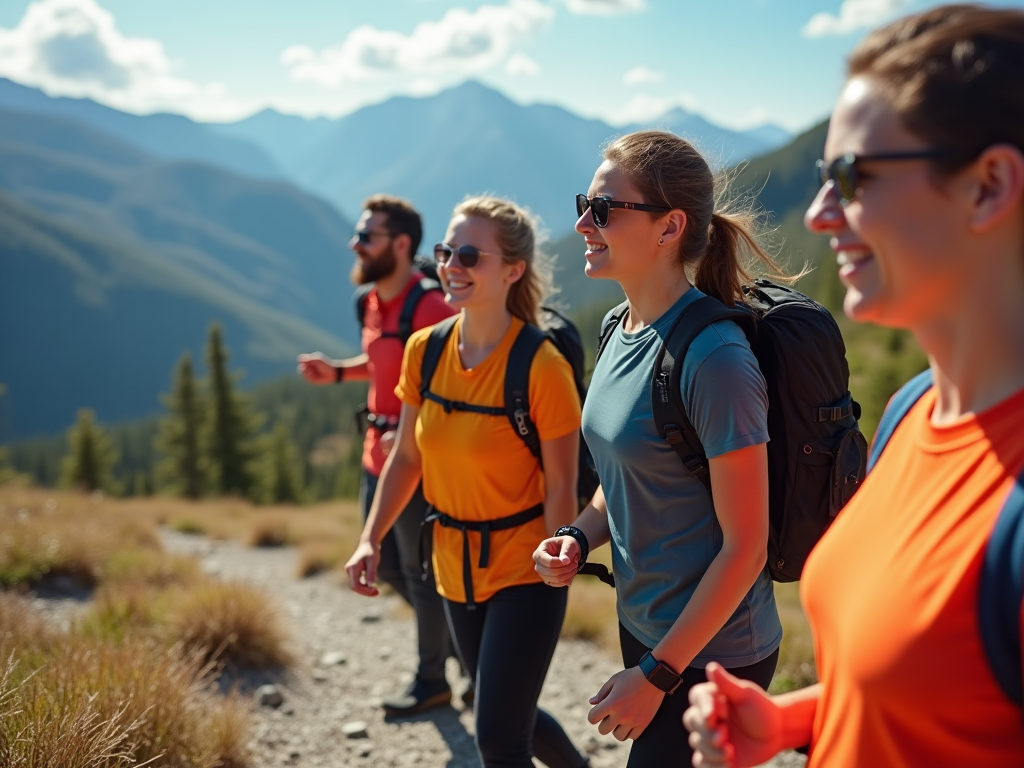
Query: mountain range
point(123, 236)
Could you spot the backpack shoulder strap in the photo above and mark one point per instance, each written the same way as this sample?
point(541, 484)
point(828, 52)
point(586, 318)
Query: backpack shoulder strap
point(612, 319)
point(1001, 591)
point(412, 300)
point(899, 406)
point(517, 385)
point(670, 418)
point(361, 295)
point(432, 354)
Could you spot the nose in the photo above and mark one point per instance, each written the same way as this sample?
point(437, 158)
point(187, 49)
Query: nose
point(826, 213)
point(585, 223)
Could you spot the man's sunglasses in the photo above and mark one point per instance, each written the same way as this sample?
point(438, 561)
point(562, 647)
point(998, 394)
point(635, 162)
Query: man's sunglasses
point(842, 171)
point(469, 255)
point(601, 206)
point(366, 237)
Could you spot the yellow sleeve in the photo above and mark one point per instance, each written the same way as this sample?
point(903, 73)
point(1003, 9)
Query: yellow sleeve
point(554, 402)
point(408, 389)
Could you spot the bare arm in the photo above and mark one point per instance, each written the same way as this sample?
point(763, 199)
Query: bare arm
point(739, 480)
point(556, 559)
point(561, 465)
point(398, 480)
point(317, 368)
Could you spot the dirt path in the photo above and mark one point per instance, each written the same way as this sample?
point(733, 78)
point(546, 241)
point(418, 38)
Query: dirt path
point(375, 637)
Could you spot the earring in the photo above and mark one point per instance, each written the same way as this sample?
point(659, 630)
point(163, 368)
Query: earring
point(661, 241)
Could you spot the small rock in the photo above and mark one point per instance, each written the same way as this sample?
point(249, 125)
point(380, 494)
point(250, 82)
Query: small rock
point(319, 676)
point(385, 653)
point(211, 567)
point(369, 616)
point(355, 730)
point(287, 709)
point(332, 659)
point(609, 745)
point(269, 696)
point(364, 750)
point(294, 754)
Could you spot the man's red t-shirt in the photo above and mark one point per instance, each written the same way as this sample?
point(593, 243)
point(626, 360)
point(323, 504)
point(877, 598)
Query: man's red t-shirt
point(385, 356)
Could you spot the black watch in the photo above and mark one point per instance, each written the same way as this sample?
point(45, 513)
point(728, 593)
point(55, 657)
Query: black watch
point(581, 539)
point(661, 676)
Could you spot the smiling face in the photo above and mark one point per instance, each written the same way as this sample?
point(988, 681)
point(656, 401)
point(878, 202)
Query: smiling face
point(628, 246)
point(902, 243)
point(376, 259)
point(485, 285)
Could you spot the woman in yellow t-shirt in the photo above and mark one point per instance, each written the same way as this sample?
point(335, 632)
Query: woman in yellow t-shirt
point(491, 501)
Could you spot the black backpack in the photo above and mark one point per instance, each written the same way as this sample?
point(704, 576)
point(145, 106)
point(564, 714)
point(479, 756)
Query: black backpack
point(816, 455)
point(428, 282)
point(566, 338)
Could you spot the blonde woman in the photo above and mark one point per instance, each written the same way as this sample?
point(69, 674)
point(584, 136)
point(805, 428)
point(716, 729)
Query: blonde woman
point(491, 501)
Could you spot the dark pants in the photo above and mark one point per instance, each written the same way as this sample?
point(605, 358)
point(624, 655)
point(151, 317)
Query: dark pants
point(400, 568)
point(506, 645)
point(664, 741)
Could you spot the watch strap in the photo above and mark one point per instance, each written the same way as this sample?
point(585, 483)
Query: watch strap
point(660, 675)
point(581, 539)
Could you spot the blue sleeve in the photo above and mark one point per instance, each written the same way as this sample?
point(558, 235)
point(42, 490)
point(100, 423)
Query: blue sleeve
point(724, 392)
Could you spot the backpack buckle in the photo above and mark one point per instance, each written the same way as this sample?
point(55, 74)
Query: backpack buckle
point(673, 435)
point(695, 467)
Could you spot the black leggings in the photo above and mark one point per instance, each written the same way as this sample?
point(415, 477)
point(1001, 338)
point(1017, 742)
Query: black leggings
point(506, 644)
point(664, 742)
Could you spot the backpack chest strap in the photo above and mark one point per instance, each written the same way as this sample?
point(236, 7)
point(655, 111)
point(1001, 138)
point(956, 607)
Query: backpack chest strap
point(484, 528)
point(458, 405)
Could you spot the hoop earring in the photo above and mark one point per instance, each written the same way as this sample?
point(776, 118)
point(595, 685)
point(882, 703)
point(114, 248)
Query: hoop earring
point(661, 241)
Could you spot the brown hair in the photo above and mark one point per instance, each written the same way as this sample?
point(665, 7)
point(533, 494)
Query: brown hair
point(403, 219)
point(517, 237)
point(953, 74)
point(719, 247)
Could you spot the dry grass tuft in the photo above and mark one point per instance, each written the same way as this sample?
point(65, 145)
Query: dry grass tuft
point(315, 557)
point(269, 529)
point(230, 622)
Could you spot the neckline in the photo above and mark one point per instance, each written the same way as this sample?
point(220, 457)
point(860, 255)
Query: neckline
point(663, 323)
point(967, 430)
point(500, 349)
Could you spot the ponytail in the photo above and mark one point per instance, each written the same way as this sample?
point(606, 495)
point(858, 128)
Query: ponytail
point(731, 246)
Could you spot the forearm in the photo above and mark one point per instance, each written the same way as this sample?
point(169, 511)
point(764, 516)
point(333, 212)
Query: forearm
point(722, 588)
point(559, 507)
point(395, 489)
point(798, 710)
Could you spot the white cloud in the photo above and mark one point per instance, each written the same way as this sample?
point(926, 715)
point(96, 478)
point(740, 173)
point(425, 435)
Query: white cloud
point(74, 48)
point(641, 75)
point(643, 108)
point(606, 7)
point(521, 64)
point(461, 42)
point(853, 15)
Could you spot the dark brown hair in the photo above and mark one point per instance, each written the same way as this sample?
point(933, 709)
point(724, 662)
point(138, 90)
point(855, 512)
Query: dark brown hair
point(719, 246)
point(953, 74)
point(403, 219)
point(517, 237)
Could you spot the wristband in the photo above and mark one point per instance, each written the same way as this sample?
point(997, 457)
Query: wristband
point(581, 539)
point(339, 374)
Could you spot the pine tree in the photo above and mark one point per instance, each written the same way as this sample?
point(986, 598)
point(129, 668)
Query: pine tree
point(228, 432)
point(279, 474)
point(182, 470)
point(89, 465)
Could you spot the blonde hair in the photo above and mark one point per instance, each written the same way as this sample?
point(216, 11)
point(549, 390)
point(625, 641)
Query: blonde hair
point(721, 245)
point(517, 237)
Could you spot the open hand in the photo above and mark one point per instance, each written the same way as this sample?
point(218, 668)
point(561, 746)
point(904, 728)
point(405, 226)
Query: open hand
point(626, 704)
point(556, 560)
point(732, 722)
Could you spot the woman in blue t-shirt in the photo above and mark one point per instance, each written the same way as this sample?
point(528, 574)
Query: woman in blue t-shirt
point(691, 581)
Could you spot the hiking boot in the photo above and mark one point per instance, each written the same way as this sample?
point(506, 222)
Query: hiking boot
point(421, 695)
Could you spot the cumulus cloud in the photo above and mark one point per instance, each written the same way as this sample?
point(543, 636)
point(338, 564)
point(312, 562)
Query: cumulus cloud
point(641, 75)
point(605, 7)
point(853, 15)
point(74, 48)
point(461, 42)
point(521, 64)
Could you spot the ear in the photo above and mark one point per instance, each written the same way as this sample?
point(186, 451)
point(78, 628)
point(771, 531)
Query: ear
point(516, 270)
point(402, 244)
point(998, 186)
point(673, 226)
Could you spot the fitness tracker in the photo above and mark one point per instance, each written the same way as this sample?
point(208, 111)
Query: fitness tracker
point(661, 676)
point(581, 539)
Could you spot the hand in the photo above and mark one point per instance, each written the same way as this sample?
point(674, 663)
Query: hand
point(732, 722)
point(626, 704)
point(317, 368)
point(387, 441)
point(556, 560)
point(362, 569)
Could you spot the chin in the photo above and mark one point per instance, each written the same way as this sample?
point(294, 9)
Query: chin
point(596, 271)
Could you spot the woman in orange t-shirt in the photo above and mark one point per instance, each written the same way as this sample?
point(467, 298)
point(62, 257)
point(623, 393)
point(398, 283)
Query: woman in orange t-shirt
point(491, 501)
point(923, 199)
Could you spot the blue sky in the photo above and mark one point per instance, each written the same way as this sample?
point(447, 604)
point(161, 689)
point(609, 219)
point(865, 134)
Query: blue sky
point(737, 62)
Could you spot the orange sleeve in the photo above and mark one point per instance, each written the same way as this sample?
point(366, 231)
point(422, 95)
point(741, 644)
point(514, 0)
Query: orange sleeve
point(554, 402)
point(408, 389)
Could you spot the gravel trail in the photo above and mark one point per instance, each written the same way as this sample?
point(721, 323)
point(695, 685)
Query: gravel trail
point(372, 645)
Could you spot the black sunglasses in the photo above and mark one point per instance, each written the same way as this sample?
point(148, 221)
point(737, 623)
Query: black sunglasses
point(469, 255)
point(601, 206)
point(366, 236)
point(843, 170)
